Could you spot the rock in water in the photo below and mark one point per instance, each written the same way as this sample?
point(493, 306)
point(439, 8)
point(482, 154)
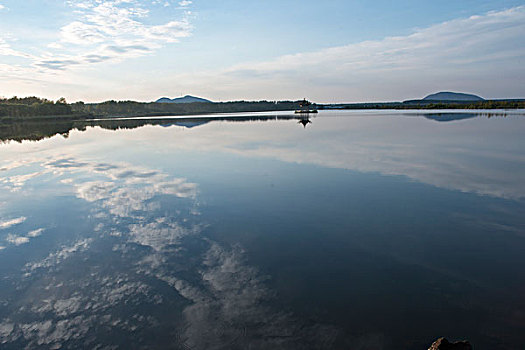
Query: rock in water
point(444, 344)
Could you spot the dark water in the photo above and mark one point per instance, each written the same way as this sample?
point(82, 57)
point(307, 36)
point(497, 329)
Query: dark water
point(364, 230)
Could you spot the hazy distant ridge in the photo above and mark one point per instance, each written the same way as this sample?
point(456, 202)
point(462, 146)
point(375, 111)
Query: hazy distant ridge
point(452, 96)
point(185, 99)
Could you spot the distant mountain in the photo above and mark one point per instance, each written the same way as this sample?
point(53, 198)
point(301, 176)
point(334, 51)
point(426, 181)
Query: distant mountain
point(185, 99)
point(452, 96)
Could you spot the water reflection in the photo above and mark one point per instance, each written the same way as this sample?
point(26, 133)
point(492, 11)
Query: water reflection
point(258, 234)
point(143, 254)
point(448, 117)
point(305, 121)
point(34, 130)
point(479, 157)
point(454, 116)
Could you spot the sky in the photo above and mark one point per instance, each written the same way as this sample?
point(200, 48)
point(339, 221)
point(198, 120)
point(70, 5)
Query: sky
point(327, 51)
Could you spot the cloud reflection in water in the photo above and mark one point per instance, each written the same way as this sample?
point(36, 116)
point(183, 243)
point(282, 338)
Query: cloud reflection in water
point(138, 274)
point(148, 270)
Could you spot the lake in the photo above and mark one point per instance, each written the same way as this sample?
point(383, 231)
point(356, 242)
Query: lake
point(357, 230)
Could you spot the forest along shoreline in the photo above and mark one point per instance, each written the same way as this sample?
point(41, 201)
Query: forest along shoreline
point(28, 108)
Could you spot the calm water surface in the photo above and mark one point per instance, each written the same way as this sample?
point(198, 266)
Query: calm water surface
point(362, 230)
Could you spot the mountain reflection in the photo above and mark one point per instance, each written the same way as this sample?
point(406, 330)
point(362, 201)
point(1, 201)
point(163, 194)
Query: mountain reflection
point(35, 130)
point(475, 162)
point(448, 117)
point(371, 231)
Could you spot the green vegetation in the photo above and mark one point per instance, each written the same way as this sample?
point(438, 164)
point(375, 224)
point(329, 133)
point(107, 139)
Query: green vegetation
point(132, 108)
point(421, 104)
point(18, 109)
point(489, 104)
point(33, 106)
point(29, 107)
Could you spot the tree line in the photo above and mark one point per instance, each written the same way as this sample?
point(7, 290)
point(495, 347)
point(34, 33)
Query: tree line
point(133, 108)
point(28, 107)
point(34, 106)
point(488, 104)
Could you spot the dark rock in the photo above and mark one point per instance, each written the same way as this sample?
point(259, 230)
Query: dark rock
point(444, 344)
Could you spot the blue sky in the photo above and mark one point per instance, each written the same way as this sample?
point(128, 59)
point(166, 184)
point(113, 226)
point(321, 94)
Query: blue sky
point(329, 51)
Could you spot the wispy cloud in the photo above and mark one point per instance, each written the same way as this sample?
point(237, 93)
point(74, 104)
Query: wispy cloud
point(481, 54)
point(23, 239)
point(17, 240)
point(232, 296)
point(102, 31)
point(464, 54)
point(59, 256)
point(12, 222)
point(7, 50)
point(111, 31)
point(35, 233)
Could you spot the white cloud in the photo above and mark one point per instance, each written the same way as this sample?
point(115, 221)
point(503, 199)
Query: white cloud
point(101, 31)
point(125, 192)
point(6, 50)
point(59, 256)
point(16, 182)
point(2, 7)
point(55, 46)
point(8, 223)
point(160, 234)
point(81, 33)
point(480, 54)
point(232, 297)
point(17, 240)
point(112, 31)
point(58, 316)
point(128, 191)
point(94, 191)
point(35, 233)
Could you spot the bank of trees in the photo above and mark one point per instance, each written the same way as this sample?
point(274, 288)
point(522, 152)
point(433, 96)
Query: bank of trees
point(33, 106)
point(420, 104)
point(28, 107)
point(489, 104)
point(132, 108)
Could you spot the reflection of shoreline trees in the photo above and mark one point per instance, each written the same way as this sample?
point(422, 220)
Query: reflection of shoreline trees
point(37, 130)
